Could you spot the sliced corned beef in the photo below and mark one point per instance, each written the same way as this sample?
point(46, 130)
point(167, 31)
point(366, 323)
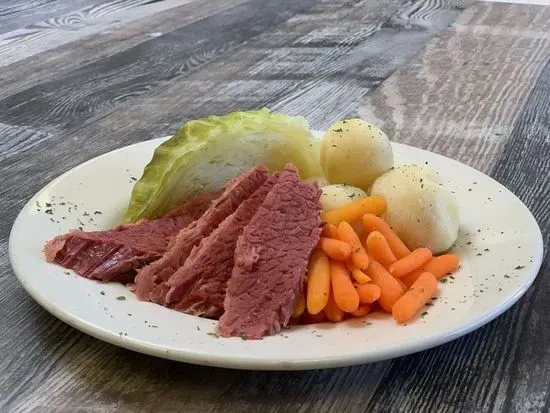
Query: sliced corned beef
point(198, 287)
point(115, 254)
point(150, 281)
point(271, 257)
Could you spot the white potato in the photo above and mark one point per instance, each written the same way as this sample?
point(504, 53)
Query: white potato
point(421, 211)
point(354, 152)
point(339, 195)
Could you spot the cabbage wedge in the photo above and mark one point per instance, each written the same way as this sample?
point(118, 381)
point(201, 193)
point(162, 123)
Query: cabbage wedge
point(207, 152)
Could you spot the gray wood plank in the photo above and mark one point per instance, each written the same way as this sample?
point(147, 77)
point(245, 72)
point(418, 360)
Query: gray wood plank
point(61, 29)
point(524, 167)
point(482, 69)
point(15, 139)
point(319, 59)
point(57, 62)
point(17, 14)
point(101, 85)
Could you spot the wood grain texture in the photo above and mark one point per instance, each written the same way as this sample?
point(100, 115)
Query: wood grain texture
point(18, 14)
point(57, 62)
point(101, 85)
point(60, 29)
point(482, 68)
point(325, 60)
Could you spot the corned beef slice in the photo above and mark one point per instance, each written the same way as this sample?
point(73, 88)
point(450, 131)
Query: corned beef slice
point(198, 287)
point(150, 281)
point(271, 259)
point(115, 254)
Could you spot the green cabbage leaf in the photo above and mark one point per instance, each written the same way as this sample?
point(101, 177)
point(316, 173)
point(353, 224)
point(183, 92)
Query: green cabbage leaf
point(206, 153)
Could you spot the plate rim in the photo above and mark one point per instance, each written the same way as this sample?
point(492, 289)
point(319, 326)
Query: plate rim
point(252, 363)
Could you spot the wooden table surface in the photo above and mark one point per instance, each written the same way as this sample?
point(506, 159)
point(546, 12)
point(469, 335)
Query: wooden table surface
point(82, 77)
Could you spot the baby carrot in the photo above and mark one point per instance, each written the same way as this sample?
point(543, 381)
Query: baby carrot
point(379, 249)
point(402, 284)
point(338, 250)
point(355, 210)
point(368, 293)
point(333, 312)
point(442, 265)
point(330, 231)
point(438, 266)
point(363, 310)
point(358, 275)
point(299, 306)
point(308, 318)
point(359, 256)
point(374, 223)
point(318, 282)
point(410, 262)
point(358, 227)
point(415, 298)
point(411, 277)
point(390, 289)
point(343, 290)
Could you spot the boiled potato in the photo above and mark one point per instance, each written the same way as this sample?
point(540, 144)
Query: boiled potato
point(421, 211)
point(339, 195)
point(354, 152)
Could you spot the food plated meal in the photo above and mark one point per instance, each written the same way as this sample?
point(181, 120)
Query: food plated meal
point(236, 218)
point(113, 200)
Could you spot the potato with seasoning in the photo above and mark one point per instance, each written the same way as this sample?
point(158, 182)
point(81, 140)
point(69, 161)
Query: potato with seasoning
point(354, 152)
point(339, 195)
point(420, 210)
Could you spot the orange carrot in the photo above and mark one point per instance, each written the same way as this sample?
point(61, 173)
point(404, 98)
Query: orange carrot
point(402, 284)
point(355, 210)
point(363, 310)
point(318, 282)
point(390, 289)
point(358, 275)
point(358, 227)
point(368, 293)
point(379, 249)
point(359, 255)
point(335, 249)
point(410, 262)
point(299, 306)
point(330, 231)
point(415, 298)
point(314, 318)
point(343, 290)
point(438, 266)
point(374, 223)
point(333, 312)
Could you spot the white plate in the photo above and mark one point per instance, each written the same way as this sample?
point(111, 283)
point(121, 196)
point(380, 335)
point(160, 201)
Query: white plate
point(498, 235)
